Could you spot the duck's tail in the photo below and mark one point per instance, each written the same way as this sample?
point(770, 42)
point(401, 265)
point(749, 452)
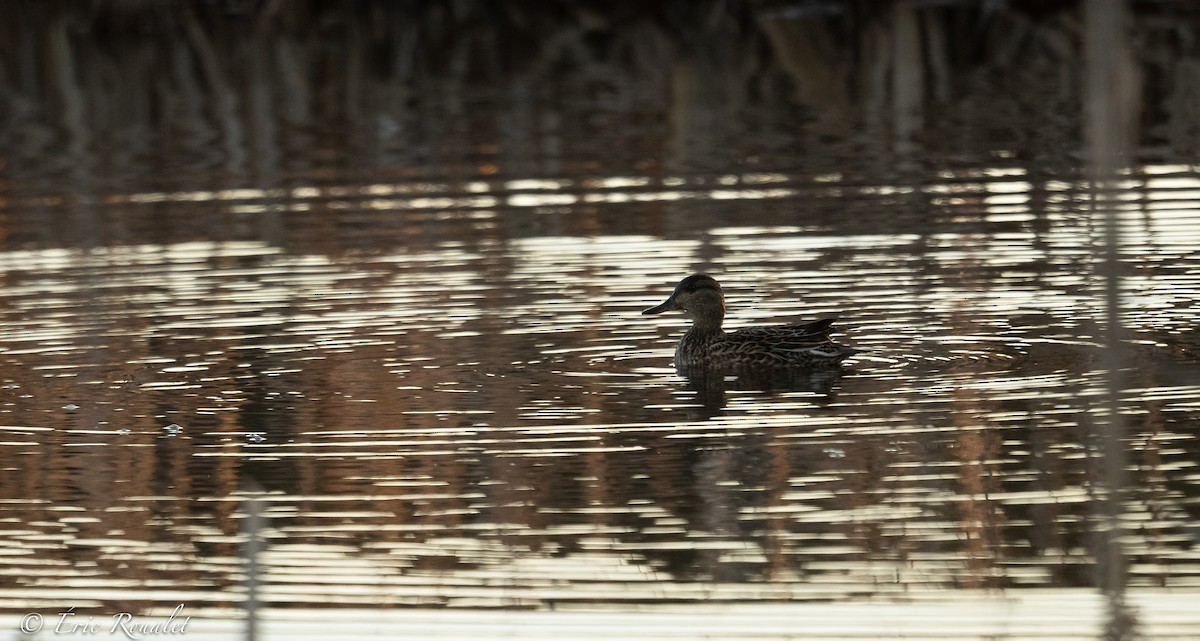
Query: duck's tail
point(817, 328)
point(834, 352)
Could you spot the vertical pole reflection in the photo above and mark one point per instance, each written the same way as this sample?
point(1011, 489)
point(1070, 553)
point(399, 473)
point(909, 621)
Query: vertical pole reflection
point(1110, 99)
point(251, 529)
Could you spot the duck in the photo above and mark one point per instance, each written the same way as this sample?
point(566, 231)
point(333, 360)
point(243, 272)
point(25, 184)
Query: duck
point(706, 346)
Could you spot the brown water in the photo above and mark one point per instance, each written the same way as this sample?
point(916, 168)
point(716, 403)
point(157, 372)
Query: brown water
point(443, 384)
point(490, 421)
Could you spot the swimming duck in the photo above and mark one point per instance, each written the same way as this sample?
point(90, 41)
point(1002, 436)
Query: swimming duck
point(706, 345)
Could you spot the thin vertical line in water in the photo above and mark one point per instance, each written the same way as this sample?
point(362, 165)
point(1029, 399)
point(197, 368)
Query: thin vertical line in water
point(251, 528)
point(1108, 109)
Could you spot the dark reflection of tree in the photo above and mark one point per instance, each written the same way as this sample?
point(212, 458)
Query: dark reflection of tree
point(253, 95)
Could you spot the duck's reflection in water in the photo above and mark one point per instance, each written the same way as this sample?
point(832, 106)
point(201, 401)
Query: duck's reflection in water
point(711, 385)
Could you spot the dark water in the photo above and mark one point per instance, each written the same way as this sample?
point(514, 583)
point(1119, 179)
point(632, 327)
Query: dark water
point(434, 364)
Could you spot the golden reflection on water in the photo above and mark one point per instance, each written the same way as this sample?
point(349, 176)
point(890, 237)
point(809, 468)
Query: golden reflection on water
point(490, 422)
point(509, 193)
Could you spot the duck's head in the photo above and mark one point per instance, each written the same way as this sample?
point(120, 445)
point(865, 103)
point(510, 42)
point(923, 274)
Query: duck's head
point(698, 294)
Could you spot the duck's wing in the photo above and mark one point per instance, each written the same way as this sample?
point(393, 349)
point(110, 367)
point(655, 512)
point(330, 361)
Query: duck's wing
point(778, 346)
point(806, 345)
point(785, 337)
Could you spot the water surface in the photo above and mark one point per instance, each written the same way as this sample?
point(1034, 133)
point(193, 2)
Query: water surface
point(490, 421)
point(431, 362)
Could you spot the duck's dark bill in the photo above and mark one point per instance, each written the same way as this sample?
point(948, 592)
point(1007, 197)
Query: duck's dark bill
point(665, 306)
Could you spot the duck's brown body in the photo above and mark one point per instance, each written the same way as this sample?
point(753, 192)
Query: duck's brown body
point(708, 346)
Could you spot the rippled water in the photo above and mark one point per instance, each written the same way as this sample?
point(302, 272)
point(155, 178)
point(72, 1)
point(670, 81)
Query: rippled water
point(449, 396)
point(382, 265)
